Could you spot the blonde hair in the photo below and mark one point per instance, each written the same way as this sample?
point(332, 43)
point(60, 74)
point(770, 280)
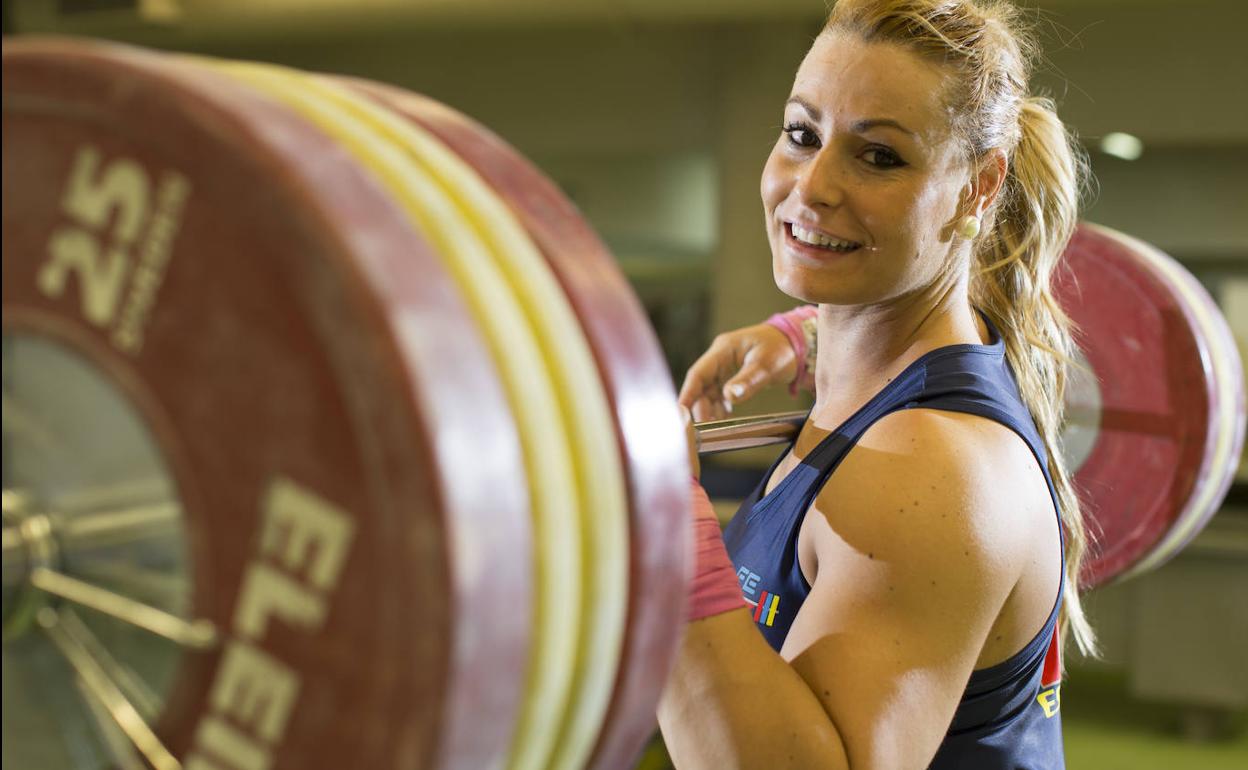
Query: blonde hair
point(988, 57)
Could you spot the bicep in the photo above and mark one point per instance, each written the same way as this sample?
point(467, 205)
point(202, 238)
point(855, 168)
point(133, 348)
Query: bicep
point(889, 682)
point(894, 622)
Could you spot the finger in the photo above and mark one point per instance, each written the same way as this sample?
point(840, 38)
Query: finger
point(754, 376)
point(708, 408)
point(692, 389)
point(744, 386)
point(704, 377)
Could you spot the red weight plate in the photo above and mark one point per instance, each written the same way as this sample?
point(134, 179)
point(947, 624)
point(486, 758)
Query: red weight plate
point(640, 389)
point(1149, 356)
point(273, 321)
point(1225, 371)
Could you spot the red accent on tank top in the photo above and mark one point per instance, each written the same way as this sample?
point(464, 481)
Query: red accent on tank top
point(1053, 661)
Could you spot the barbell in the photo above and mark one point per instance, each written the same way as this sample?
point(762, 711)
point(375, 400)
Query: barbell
point(335, 437)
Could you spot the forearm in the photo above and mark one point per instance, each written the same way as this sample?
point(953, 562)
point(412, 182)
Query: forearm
point(733, 702)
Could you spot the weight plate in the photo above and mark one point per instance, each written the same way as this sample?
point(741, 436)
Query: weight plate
point(1225, 372)
point(637, 381)
point(596, 488)
point(264, 316)
point(1150, 434)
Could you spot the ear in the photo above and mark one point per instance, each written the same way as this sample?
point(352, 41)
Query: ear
point(989, 176)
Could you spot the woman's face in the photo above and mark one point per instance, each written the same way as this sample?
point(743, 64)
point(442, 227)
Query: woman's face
point(863, 188)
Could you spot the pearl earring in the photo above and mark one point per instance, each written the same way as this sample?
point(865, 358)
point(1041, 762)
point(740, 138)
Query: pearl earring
point(968, 228)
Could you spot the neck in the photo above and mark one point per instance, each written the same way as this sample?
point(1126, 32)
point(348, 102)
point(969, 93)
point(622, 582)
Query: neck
point(862, 348)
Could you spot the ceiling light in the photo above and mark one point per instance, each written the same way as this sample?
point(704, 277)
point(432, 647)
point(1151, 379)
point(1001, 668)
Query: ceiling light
point(1121, 145)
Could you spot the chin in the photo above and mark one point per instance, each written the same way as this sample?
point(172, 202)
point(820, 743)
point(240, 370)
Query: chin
point(805, 290)
point(810, 288)
point(792, 281)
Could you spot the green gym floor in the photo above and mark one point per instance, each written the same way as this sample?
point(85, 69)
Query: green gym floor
point(1106, 730)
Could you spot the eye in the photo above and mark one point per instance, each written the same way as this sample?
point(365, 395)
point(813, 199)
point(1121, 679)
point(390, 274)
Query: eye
point(801, 135)
point(883, 157)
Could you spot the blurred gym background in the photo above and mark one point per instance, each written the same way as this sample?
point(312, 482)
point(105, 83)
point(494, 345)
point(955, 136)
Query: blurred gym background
point(655, 116)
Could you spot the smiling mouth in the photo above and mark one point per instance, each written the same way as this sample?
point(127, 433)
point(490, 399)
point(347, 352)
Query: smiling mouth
point(817, 240)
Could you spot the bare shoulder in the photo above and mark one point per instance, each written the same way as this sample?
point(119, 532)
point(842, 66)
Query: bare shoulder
point(924, 484)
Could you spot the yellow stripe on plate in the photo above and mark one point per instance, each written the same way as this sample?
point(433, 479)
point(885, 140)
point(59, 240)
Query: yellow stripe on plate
point(569, 689)
point(583, 402)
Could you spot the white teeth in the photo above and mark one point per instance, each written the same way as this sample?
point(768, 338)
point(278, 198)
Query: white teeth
point(818, 239)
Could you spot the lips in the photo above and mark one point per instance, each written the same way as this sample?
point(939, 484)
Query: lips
point(818, 240)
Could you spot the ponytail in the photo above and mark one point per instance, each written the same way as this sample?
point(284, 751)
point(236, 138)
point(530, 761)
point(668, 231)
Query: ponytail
point(1034, 219)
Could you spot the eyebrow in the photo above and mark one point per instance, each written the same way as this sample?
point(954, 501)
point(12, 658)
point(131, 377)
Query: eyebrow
point(858, 126)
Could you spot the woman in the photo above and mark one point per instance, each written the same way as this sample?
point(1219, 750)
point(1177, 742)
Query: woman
point(906, 561)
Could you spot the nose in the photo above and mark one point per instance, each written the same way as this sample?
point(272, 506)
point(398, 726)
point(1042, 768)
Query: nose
point(820, 182)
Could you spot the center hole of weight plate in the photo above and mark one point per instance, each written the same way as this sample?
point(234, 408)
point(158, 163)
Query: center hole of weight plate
point(97, 576)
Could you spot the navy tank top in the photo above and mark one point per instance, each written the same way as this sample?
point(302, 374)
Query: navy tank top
point(1008, 714)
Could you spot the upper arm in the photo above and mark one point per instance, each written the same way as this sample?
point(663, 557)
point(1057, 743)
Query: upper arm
point(915, 561)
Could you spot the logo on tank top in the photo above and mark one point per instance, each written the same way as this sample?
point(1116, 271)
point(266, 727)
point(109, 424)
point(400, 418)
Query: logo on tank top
point(766, 604)
point(1050, 697)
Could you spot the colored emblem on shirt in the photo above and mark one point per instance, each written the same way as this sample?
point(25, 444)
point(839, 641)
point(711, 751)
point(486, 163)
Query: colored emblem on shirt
point(1050, 697)
point(765, 603)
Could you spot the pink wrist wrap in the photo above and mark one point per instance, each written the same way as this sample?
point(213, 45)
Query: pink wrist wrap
point(790, 325)
point(714, 589)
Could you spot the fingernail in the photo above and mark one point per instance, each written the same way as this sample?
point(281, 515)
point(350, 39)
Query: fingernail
point(728, 406)
point(737, 390)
